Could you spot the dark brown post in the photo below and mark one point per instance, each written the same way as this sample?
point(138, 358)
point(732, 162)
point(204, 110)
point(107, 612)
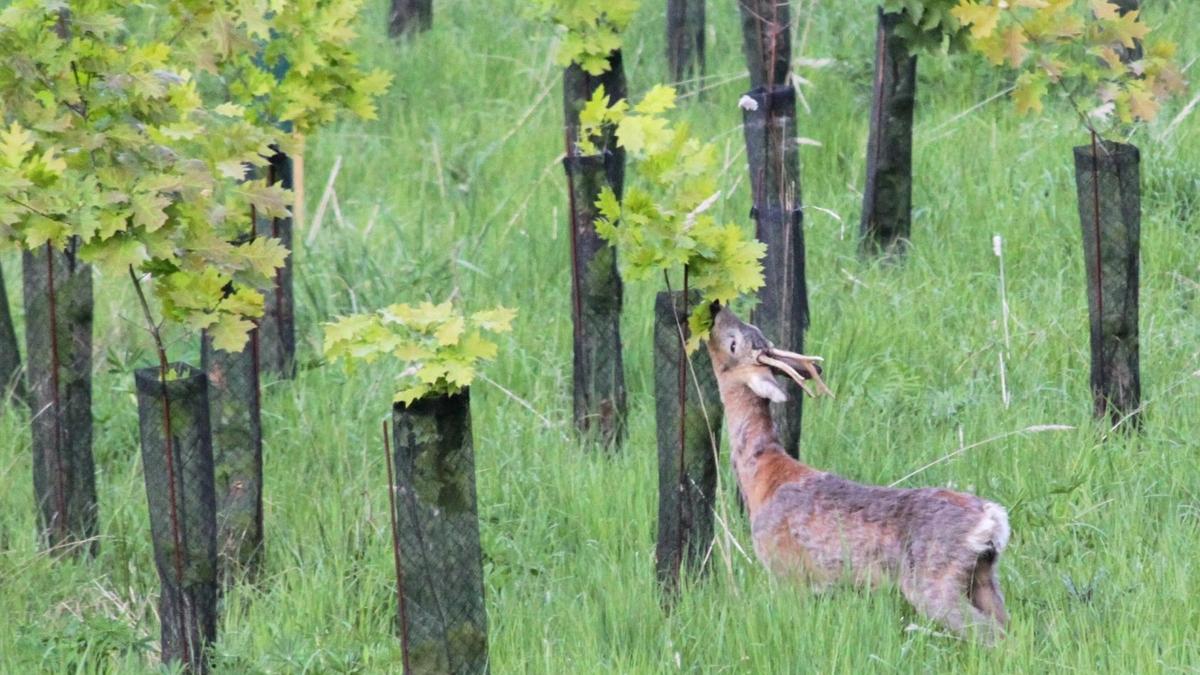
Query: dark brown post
point(1107, 182)
point(178, 465)
point(410, 16)
point(277, 327)
point(443, 624)
point(58, 347)
point(236, 419)
point(685, 42)
point(596, 289)
point(769, 120)
point(687, 442)
point(12, 381)
point(886, 224)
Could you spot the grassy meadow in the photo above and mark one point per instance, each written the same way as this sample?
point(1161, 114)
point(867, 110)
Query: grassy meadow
point(458, 189)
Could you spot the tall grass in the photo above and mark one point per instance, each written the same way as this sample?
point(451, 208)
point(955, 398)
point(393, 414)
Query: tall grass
point(462, 175)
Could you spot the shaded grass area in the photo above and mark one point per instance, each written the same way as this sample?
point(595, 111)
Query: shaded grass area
point(458, 188)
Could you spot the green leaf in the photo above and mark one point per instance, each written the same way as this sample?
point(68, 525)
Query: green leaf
point(1030, 89)
point(230, 333)
point(498, 320)
point(658, 100)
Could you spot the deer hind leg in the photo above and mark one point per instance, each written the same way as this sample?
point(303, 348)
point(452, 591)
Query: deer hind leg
point(984, 590)
point(946, 598)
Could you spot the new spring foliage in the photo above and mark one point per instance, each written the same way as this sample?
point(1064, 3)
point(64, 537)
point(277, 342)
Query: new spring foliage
point(439, 348)
point(1078, 46)
point(665, 222)
point(591, 29)
point(928, 24)
point(132, 127)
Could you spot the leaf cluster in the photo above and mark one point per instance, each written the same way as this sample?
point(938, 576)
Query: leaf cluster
point(928, 25)
point(285, 61)
point(665, 221)
point(438, 346)
point(591, 29)
point(120, 130)
point(1084, 47)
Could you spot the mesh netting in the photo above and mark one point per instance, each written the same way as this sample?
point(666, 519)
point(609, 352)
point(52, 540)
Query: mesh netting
point(277, 328)
point(235, 414)
point(443, 622)
point(687, 458)
point(773, 157)
point(1108, 186)
point(179, 491)
point(58, 338)
point(600, 402)
point(11, 382)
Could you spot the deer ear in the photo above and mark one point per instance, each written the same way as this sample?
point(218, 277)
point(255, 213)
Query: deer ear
point(764, 385)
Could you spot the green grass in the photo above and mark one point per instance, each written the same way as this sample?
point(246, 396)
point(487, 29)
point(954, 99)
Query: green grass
point(462, 170)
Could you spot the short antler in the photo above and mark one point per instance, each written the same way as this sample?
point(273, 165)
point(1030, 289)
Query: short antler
point(778, 358)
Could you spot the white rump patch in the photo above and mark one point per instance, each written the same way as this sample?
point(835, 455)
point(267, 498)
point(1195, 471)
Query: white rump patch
point(992, 530)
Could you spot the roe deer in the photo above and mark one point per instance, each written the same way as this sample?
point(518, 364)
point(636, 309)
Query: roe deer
point(941, 547)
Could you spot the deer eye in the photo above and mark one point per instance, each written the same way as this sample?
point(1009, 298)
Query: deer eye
point(733, 346)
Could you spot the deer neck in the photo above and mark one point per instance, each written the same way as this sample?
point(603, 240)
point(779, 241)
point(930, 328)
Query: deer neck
point(759, 460)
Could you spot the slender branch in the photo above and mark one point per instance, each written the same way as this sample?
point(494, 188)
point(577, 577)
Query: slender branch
point(400, 607)
point(154, 328)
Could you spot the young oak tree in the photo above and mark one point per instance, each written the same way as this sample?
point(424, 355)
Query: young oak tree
point(905, 29)
point(663, 224)
point(590, 52)
point(1099, 56)
point(435, 521)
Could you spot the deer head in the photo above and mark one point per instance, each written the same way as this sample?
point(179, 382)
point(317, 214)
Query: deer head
point(741, 355)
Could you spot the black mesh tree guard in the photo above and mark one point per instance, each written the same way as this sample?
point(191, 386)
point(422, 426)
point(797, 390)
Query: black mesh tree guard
point(685, 42)
point(886, 225)
point(687, 442)
point(236, 417)
point(178, 463)
point(410, 16)
point(443, 620)
point(769, 122)
point(277, 328)
point(599, 393)
point(1108, 187)
point(58, 347)
point(12, 381)
point(596, 289)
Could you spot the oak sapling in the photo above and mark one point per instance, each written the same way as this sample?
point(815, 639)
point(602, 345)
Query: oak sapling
point(590, 52)
point(439, 575)
point(1102, 59)
point(117, 152)
point(665, 223)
